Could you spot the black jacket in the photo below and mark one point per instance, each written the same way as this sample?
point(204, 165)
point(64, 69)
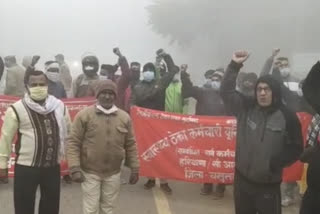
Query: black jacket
point(311, 87)
point(151, 95)
point(267, 139)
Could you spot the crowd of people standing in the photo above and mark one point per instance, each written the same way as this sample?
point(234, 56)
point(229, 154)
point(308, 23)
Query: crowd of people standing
point(101, 138)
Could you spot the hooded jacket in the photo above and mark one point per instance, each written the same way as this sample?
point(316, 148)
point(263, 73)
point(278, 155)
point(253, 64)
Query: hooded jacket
point(268, 139)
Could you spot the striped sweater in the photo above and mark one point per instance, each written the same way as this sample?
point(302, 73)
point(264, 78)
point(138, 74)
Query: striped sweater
point(38, 140)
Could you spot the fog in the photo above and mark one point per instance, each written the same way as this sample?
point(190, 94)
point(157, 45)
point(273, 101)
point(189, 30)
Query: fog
point(201, 33)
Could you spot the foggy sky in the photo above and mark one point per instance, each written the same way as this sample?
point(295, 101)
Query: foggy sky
point(73, 27)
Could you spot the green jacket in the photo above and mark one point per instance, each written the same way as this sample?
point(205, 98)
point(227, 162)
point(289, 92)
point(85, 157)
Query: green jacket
point(174, 100)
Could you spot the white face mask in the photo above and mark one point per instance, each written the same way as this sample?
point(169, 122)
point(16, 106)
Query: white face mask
point(89, 68)
point(148, 76)
point(216, 85)
point(103, 77)
point(285, 72)
point(53, 76)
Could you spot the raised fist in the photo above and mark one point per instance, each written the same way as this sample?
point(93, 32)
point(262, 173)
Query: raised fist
point(184, 68)
point(117, 52)
point(275, 52)
point(240, 56)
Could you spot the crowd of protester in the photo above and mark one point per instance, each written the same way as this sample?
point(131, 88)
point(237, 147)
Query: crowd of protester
point(101, 137)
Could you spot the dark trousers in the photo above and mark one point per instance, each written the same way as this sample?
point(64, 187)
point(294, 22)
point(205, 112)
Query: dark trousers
point(252, 198)
point(311, 201)
point(26, 181)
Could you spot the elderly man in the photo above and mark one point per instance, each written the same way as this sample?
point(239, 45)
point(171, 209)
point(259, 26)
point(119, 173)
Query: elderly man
point(101, 138)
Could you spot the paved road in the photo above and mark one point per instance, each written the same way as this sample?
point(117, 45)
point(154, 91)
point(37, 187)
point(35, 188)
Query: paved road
point(134, 199)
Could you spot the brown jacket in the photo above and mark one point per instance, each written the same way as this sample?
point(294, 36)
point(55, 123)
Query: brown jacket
point(98, 143)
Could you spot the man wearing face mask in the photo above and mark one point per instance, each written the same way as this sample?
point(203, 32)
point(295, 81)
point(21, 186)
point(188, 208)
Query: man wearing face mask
point(101, 138)
point(150, 93)
point(280, 69)
point(90, 67)
point(55, 86)
point(41, 122)
point(209, 103)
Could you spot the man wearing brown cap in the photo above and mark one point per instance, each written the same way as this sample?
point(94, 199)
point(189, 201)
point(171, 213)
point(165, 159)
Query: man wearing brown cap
point(100, 140)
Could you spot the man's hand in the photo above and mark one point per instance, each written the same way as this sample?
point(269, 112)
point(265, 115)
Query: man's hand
point(184, 68)
point(117, 52)
point(275, 52)
point(4, 176)
point(240, 57)
point(77, 177)
point(134, 178)
point(35, 60)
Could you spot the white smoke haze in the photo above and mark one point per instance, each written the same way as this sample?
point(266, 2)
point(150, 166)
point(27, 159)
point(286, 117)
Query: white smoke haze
point(201, 33)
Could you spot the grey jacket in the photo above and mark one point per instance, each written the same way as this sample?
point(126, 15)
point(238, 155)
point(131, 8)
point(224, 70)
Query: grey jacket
point(15, 81)
point(267, 139)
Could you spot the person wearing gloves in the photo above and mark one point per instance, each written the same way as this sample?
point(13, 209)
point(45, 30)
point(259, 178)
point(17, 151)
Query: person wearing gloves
point(41, 123)
point(55, 86)
point(83, 84)
point(101, 138)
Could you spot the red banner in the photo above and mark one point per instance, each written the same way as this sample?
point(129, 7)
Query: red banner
point(192, 148)
point(189, 148)
point(73, 105)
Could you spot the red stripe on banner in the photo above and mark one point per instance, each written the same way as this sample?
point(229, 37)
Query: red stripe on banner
point(192, 148)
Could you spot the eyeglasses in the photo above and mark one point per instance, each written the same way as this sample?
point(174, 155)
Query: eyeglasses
point(267, 90)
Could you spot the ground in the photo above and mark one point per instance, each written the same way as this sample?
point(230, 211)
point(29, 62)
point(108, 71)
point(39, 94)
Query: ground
point(134, 199)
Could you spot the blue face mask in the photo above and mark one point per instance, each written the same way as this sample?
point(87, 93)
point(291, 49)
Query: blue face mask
point(216, 85)
point(148, 76)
